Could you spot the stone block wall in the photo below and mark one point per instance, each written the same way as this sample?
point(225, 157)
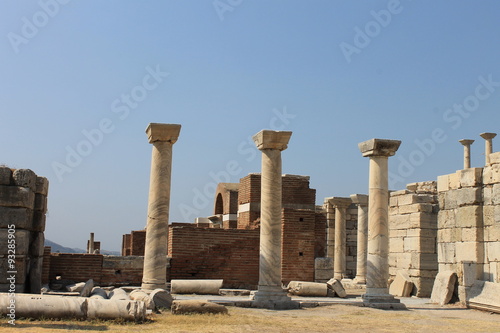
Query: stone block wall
point(23, 207)
point(469, 224)
point(461, 227)
point(412, 235)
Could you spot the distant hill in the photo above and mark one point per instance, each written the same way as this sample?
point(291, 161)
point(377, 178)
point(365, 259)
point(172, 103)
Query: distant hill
point(57, 248)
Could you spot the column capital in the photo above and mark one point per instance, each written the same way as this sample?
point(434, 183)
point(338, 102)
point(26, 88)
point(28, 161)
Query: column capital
point(379, 147)
point(360, 199)
point(163, 132)
point(466, 142)
point(339, 202)
point(487, 135)
point(267, 139)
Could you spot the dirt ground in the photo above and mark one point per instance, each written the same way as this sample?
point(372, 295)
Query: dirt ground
point(335, 318)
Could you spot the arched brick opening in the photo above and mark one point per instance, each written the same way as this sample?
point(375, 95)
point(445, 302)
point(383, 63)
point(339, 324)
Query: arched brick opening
point(219, 205)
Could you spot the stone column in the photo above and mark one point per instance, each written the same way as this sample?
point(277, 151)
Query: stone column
point(339, 261)
point(90, 247)
point(162, 136)
point(270, 293)
point(488, 149)
point(377, 274)
point(330, 228)
point(361, 200)
point(466, 143)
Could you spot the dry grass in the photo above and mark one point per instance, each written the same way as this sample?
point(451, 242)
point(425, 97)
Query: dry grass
point(335, 318)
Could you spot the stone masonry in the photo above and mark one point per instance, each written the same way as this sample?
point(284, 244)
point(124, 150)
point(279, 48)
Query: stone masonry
point(23, 205)
point(412, 235)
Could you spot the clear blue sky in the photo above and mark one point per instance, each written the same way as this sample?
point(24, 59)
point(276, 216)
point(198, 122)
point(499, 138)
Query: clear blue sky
point(334, 72)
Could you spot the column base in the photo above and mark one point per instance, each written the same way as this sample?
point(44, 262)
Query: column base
point(383, 301)
point(153, 286)
point(274, 298)
point(359, 280)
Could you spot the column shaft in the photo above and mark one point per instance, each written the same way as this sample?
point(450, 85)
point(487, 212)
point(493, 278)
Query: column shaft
point(466, 157)
point(270, 220)
point(155, 252)
point(362, 244)
point(339, 262)
point(330, 229)
point(378, 228)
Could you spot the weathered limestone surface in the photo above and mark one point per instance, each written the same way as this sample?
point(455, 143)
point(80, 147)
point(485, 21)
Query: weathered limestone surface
point(444, 285)
point(413, 235)
point(402, 285)
point(98, 293)
point(361, 201)
point(337, 287)
point(202, 287)
point(192, 306)
point(484, 295)
point(23, 204)
point(161, 298)
point(49, 306)
point(163, 137)
point(87, 288)
point(303, 288)
point(323, 269)
point(339, 262)
point(139, 295)
point(466, 143)
point(377, 293)
point(270, 293)
point(488, 137)
point(118, 294)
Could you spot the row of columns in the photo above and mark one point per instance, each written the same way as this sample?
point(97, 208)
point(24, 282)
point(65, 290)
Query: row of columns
point(488, 149)
point(336, 210)
point(271, 143)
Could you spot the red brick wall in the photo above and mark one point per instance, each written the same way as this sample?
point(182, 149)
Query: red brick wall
point(249, 189)
point(137, 242)
point(231, 255)
point(298, 242)
point(104, 270)
point(78, 267)
point(126, 245)
point(296, 191)
point(122, 271)
point(46, 264)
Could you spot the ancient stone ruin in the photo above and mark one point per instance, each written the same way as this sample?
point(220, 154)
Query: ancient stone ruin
point(437, 239)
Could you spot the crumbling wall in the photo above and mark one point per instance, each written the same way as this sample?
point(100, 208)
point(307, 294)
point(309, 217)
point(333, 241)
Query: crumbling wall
point(23, 205)
point(104, 270)
point(133, 244)
point(298, 245)
point(469, 224)
point(209, 253)
point(412, 235)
